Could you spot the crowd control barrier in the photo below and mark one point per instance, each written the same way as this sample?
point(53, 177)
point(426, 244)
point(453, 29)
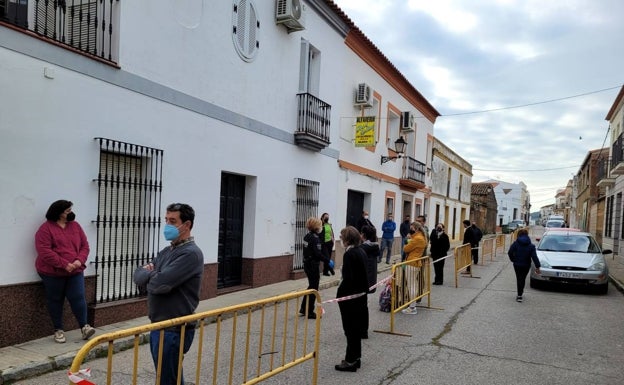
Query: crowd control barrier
point(463, 260)
point(261, 339)
point(500, 243)
point(487, 249)
point(411, 281)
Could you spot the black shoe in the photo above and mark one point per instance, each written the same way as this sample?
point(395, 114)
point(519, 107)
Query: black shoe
point(345, 366)
point(312, 316)
point(332, 271)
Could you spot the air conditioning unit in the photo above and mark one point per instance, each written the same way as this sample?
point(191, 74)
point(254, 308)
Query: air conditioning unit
point(290, 13)
point(407, 121)
point(363, 95)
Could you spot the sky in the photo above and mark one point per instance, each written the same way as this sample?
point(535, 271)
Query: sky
point(546, 74)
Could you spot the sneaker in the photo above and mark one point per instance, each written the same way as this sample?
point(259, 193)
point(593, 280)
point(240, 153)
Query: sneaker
point(519, 298)
point(87, 332)
point(59, 336)
point(410, 310)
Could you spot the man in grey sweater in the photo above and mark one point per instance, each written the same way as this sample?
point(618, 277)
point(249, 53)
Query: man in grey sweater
point(173, 282)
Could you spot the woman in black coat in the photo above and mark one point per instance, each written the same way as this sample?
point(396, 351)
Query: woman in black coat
point(354, 281)
point(440, 245)
point(521, 253)
point(373, 252)
point(312, 256)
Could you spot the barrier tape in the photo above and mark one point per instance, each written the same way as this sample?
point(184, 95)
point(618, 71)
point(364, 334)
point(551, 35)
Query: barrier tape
point(74, 378)
point(352, 296)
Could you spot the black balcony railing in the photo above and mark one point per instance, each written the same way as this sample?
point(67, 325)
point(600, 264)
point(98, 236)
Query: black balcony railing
point(617, 152)
point(89, 26)
point(414, 170)
point(313, 122)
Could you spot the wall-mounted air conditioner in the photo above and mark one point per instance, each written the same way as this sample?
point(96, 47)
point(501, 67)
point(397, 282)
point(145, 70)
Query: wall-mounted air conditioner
point(407, 121)
point(363, 95)
point(290, 13)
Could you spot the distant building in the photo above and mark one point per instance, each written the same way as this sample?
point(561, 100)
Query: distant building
point(483, 207)
point(513, 201)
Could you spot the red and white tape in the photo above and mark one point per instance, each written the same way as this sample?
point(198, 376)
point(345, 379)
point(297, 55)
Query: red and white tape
point(352, 296)
point(74, 378)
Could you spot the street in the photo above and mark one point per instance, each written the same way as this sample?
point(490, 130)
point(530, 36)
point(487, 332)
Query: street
point(474, 334)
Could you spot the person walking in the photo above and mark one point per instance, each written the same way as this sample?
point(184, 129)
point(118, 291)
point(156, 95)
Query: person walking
point(404, 231)
point(62, 251)
point(173, 282)
point(312, 256)
point(354, 281)
point(371, 248)
point(521, 253)
point(440, 245)
point(414, 249)
point(387, 238)
point(327, 244)
point(471, 238)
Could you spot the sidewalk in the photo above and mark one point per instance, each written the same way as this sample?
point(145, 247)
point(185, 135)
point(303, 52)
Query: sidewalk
point(43, 355)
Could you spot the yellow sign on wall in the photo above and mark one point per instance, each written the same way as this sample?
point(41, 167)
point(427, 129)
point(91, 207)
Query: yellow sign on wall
point(365, 131)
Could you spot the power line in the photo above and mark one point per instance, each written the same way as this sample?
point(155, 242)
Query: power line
point(533, 104)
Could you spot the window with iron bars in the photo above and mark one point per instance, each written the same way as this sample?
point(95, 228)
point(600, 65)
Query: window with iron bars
point(306, 206)
point(128, 219)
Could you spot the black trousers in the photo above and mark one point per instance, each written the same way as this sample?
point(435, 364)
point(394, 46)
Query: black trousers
point(352, 323)
point(475, 254)
point(521, 273)
point(311, 268)
point(438, 268)
point(326, 250)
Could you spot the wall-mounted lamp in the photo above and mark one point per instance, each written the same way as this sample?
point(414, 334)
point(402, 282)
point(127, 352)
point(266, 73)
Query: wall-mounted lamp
point(399, 148)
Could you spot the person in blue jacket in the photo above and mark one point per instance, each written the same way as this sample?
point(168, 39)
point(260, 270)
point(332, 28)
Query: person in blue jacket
point(387, 238)
point(521, 252)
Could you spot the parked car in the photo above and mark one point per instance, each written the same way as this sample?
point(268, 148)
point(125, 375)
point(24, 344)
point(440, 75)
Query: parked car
point(555, 223)
point(519, 222)
point(571, 257)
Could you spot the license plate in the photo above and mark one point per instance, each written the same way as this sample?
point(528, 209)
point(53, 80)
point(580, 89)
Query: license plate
point(568, 275)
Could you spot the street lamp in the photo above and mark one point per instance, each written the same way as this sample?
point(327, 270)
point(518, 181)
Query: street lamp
point(399, 148)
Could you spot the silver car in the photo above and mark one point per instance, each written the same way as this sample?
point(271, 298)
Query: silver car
point(571, 257)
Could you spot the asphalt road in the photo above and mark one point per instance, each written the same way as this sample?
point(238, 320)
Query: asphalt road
point(477, 334)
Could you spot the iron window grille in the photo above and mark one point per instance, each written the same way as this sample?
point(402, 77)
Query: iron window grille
point(306, 206)
point(128, 220)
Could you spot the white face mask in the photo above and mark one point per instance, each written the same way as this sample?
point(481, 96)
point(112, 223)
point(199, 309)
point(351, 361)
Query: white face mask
point(365, 216)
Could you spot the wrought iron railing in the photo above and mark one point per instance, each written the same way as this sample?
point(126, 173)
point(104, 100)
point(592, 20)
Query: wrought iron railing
point(306, 206)
point(603, 169)
point(313, 116)
point(89, 26)
point(128, 219)
point(414, 170)
point(617, 152)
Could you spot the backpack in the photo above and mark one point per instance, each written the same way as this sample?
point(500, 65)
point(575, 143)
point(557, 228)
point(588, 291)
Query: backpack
point(385, 296)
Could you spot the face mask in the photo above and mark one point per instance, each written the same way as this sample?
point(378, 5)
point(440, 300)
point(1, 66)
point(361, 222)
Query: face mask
point(70, 217)
point(326, 220)
point(365, 216)
point(412, 232)
point(439, 229)
point(171, 232)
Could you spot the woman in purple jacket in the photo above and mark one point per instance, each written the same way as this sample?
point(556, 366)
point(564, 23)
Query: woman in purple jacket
point(62, 251)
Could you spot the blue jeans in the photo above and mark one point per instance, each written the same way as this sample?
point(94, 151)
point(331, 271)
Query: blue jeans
point(387, 244)
point(59, 288)
point(403, 239)
point(171, 349)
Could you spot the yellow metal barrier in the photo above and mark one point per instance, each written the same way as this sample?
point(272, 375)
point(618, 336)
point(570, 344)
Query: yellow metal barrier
point(487, 248)
point(463, 260)
point(500, 243)
point(411, 281)
point(274, 341)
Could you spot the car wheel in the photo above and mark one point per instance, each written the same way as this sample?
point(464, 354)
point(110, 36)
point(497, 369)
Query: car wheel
point(602, 289)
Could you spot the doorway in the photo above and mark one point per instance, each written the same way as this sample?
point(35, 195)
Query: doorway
point(231, 218)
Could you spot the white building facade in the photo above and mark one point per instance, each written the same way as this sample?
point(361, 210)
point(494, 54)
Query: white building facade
point(513, 201)
point(242, 109)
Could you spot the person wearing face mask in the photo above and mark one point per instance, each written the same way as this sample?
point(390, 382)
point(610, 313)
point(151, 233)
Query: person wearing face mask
point(173, 281)
point(312, 256)
point(363, 221)
point(440, 245)
point(327, 243)
point(62, 251)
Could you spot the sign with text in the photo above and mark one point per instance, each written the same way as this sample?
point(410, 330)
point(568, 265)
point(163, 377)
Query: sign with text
point(365, 131)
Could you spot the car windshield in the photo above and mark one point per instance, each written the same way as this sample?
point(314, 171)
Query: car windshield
point(554, 223)
point(577, 243)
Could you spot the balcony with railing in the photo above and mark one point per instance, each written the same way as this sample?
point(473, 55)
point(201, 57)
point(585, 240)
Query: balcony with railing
point(603, 175)
point(87, 26)
point(617, 157)
point(313, 122)
point(413, 174)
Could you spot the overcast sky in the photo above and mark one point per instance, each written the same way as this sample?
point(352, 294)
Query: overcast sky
point(467, 56)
